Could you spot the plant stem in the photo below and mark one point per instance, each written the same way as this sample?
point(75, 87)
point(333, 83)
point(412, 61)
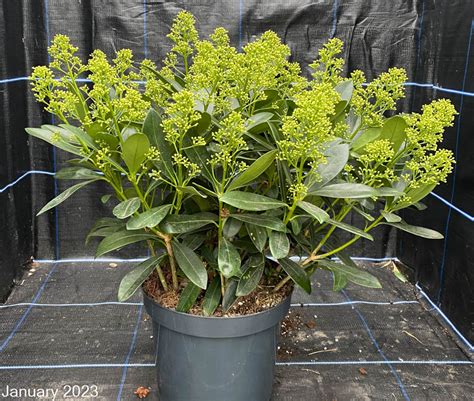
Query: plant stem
point(158, 268)
point(174, 274)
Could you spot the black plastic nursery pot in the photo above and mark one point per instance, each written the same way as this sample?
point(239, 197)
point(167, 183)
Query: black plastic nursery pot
point(215, 358)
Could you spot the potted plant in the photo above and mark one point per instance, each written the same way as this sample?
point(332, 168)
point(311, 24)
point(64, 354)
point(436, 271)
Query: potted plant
point(237, 173)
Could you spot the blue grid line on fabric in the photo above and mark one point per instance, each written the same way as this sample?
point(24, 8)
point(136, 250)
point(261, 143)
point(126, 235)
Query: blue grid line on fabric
point(31, 172)
point(105, 303)
point(379, 350)
point(445, 318)
point(453, 185)
point(335, 7)
point(241, 10)
point(417, 84)
point(27, 311)
point(462, 212)
point(288, 363)
point(145, 31)
point(130, 352)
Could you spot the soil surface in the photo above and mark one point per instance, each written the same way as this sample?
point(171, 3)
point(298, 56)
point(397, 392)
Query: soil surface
point(261, 299)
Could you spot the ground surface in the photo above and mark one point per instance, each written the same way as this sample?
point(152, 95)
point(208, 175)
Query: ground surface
point(62, 327)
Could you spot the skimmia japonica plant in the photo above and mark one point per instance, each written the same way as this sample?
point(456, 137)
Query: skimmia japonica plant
point(232, 168)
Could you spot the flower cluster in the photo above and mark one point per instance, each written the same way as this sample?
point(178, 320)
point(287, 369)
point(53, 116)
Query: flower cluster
point(374, 170)
point(379, 96)
point(327, 67)
point(230, 141)
point(308, 129)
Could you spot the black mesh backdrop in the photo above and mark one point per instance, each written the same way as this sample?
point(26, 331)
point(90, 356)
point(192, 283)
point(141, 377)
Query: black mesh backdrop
point(431, 39)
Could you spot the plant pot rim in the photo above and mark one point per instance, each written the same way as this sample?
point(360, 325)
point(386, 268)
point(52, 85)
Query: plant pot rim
point(216, 326)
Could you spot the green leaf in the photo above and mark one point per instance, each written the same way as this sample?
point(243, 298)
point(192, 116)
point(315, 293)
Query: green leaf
point(345, 190)
point(365, 215)
point(258, 119)
point(351, 229)
point(77, 173)
point(154, 131)
point(64, 195)
point(258, 235)
point(340, 281)
point(55, 138)
point(394, 130)
point(250, 201)
point(135, 278)
point(134, 151)
point(126, 208)
point(105, 198)
point(391, 217)
point(279, 244)
point(387, 191)
point(416, 230)
point(352, 274)
point(232, 227)
point(190, 264)
point(188, 297)
point(151, 218)
point(253, 271)
point(337, 156)
point(262, 221)
point(229, 295)
point(257, 168)
point(345, 89)
point(296, 273)
point(228, 258)
point(200, 156)
point(183, 223)
point(212, 297)
point(314, 211)
point(103, 232)
point(120, 239)
point(367, 136)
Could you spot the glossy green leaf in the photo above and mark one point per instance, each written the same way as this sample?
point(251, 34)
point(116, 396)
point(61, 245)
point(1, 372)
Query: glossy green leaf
point(183, 223)
point(134, 151)
point(279, 244)
point(364, 214)
point(55, 139)
point(416, 230)
point(229, 295)
point(296, 273)
point(339, 281)
point(345, 89)
point(64, 195)
point(345, 190)
point(190, 264)
point(365, 137)
point(258, 235)
point(228, 258)
point(394, 130)
point(352, 274)
point(387, 191)
point(314, 211)
point(251, 276)
point(390, 217)
point(154, 131)
point(151, 218)
point(132, 281)
point(126, 208)
point(120, 239)
point(337, 156)
point(351, 229)
point(213, 296)
point(258, 119)
point(257, 168)
point(77, 173)
point(250, 201)
point(271, 223)
point(188, 297)
point(232, 227)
